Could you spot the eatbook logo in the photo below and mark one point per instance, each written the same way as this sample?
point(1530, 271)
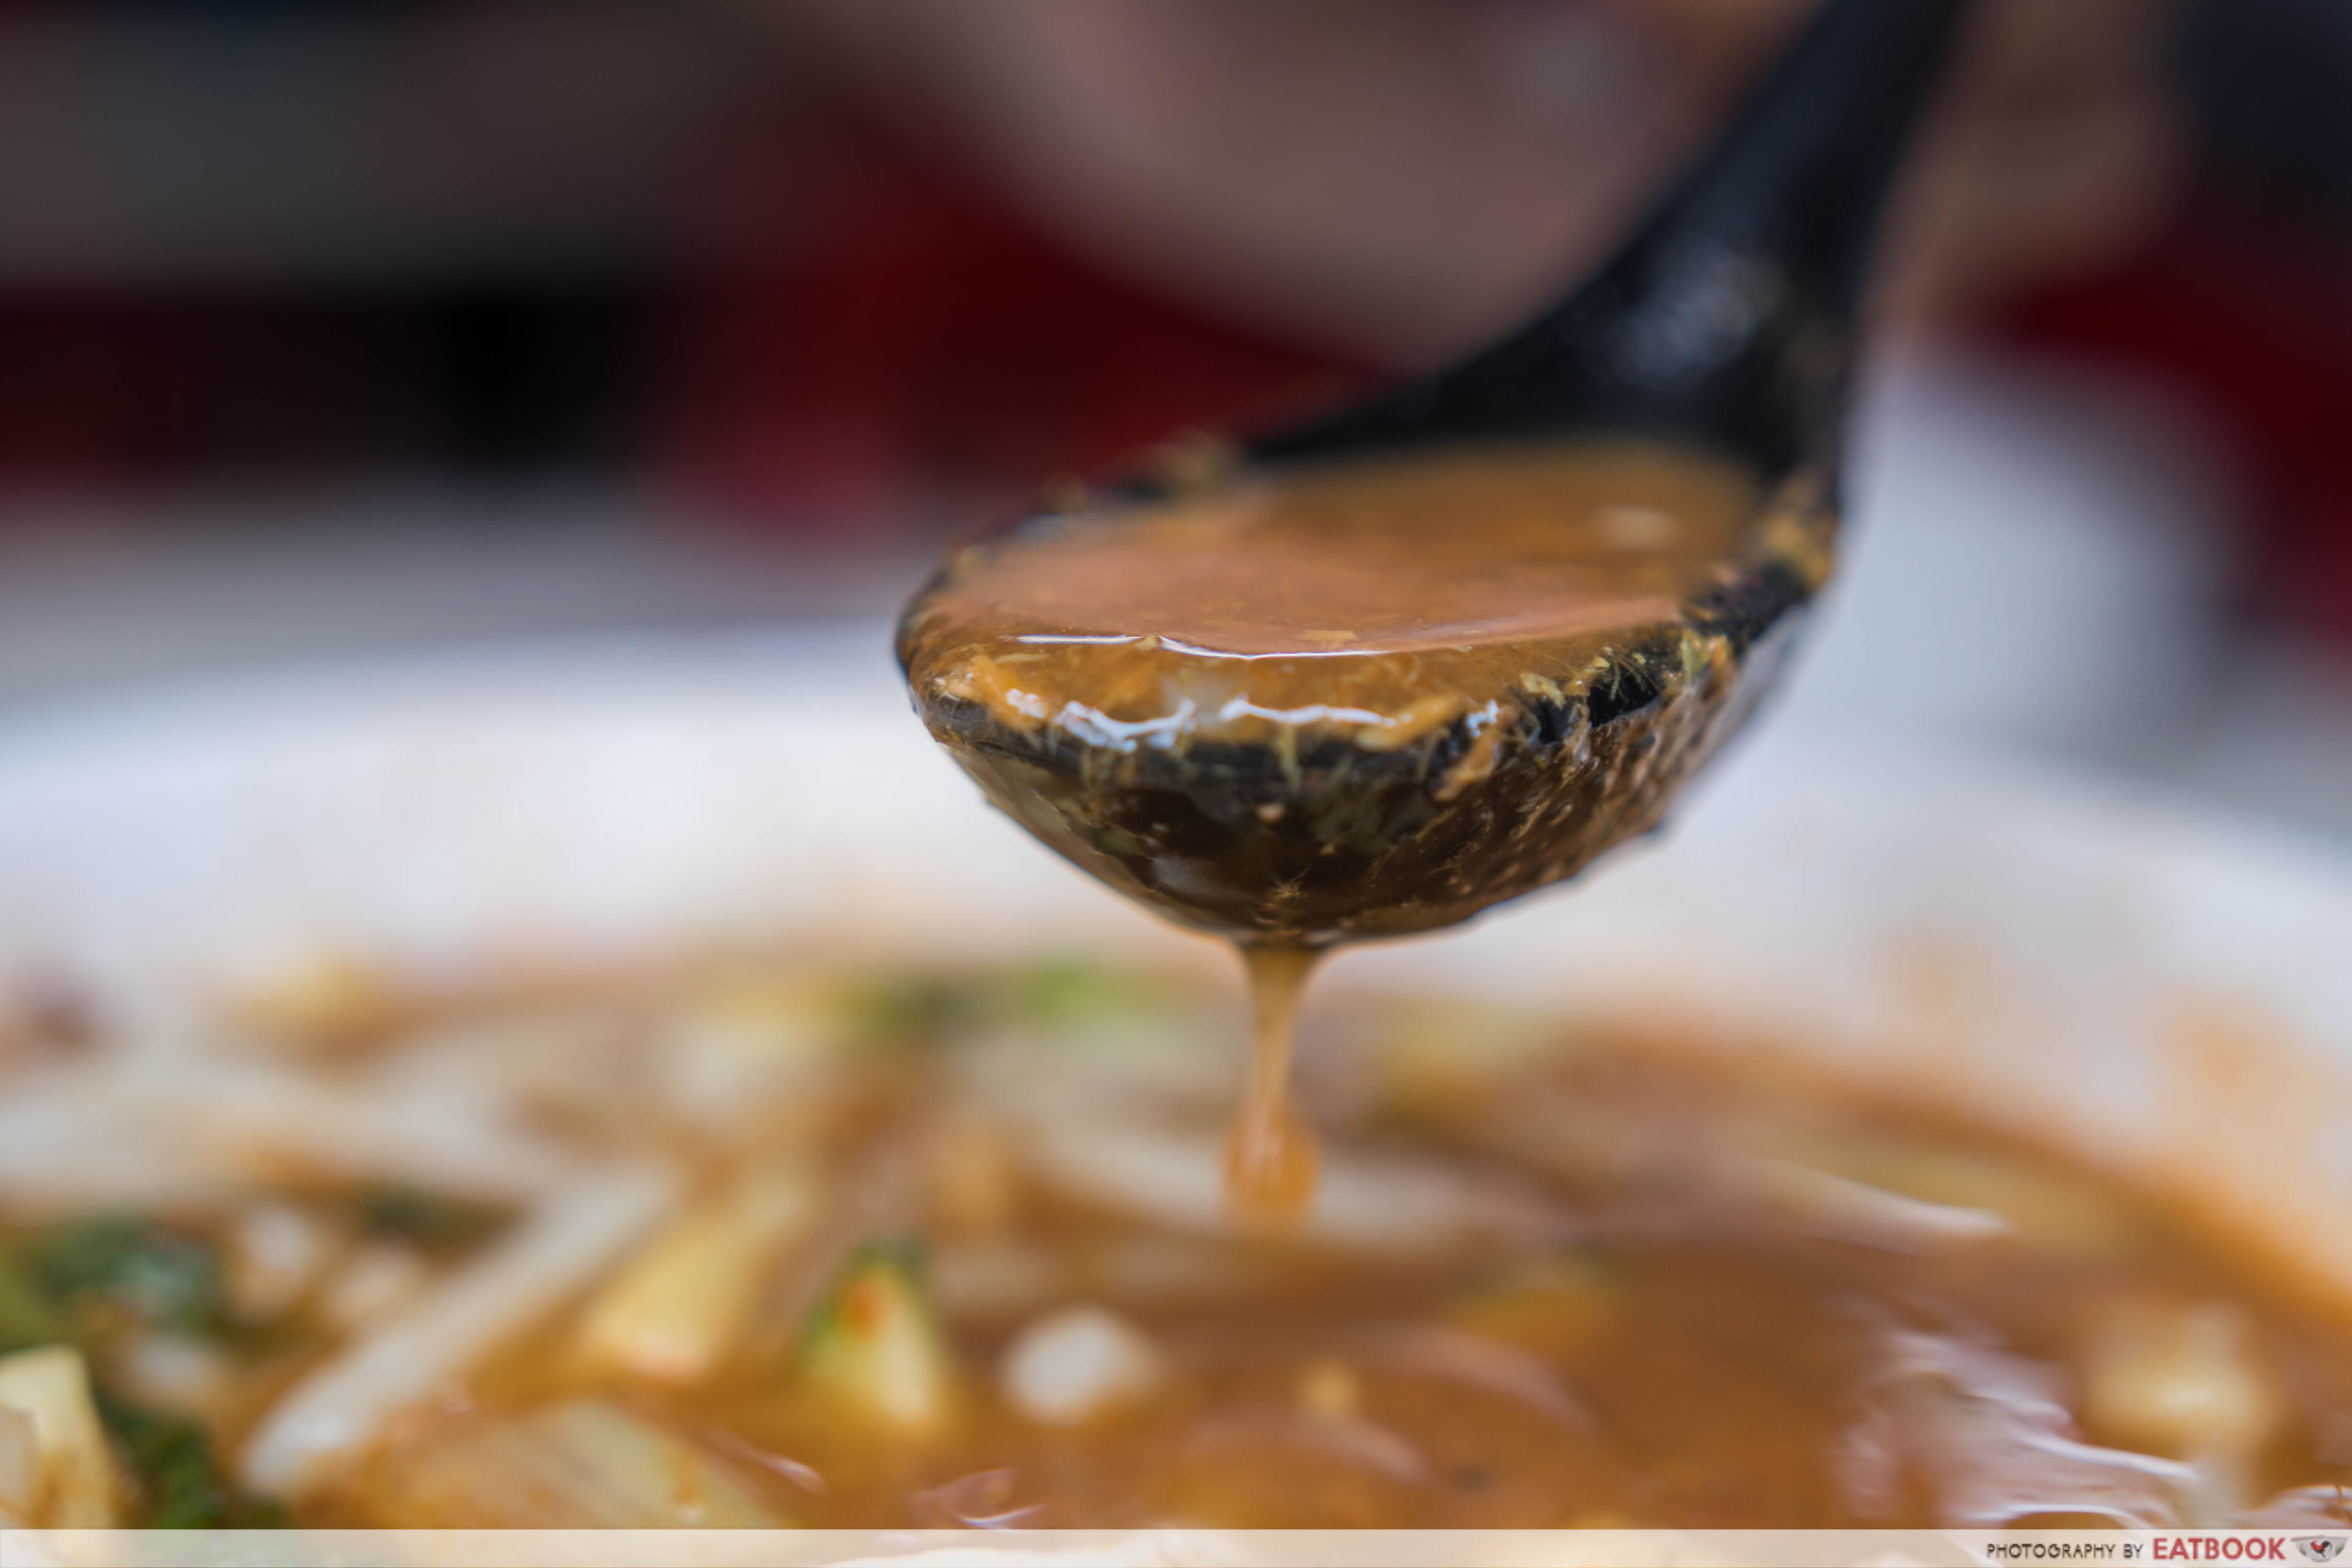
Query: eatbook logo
point(2319, 1548)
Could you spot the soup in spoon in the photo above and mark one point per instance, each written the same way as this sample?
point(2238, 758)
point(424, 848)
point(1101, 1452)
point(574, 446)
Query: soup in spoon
point(1326, 702)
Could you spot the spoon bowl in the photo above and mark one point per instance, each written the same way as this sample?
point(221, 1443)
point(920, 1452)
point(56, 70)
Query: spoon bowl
point(1285, 781)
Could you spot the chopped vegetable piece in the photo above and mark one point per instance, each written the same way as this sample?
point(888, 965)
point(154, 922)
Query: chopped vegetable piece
point(736, 1045)
point(375, 1279)
point(1076, 1364)
point(781, 1016)
point(28, 1317)
point(2049, 1208)
point(984, 1500)
point(180, 1482)
point(919, 1008)
point(996, 1278)
point(343, 1403)
point(167, 1278)
point(576, 1465)
point(682, 1303)
point(875, 1346)
point(1055, 994)
point(322, 999)
point(1986, 1433)
point(20, 1466)
point(1839, 1208)
point(434, 1221)
point(78, 1483)
point(172, 1371)
point(2181, 1380)
point(275, 1253)
point(1438, 1056)
point(1071, 990)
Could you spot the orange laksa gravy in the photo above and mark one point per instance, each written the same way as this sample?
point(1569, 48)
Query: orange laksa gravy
point(1374, 602)
point(816, 1244)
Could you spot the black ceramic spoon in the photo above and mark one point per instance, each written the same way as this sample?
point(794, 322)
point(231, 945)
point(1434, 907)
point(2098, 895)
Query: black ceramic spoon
point(1728, 326)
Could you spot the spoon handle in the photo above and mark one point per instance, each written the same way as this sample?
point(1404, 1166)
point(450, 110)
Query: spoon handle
point(1730, 317)
point(1798, 180)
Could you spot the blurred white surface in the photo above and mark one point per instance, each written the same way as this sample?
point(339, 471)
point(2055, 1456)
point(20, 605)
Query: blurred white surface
point(2038, 564)
point(2036, 558)
point(91, 600)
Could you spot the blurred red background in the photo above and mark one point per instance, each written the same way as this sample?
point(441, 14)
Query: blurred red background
point(716, 257)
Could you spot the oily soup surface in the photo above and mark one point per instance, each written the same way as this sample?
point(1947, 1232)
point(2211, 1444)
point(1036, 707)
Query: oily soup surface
point(833, 1246)
point(1375, 598)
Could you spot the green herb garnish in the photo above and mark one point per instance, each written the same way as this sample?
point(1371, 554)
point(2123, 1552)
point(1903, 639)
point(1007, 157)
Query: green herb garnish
point(167, 1278)
point(180, 1481)
point(30, 1316)
point(434, 1221)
